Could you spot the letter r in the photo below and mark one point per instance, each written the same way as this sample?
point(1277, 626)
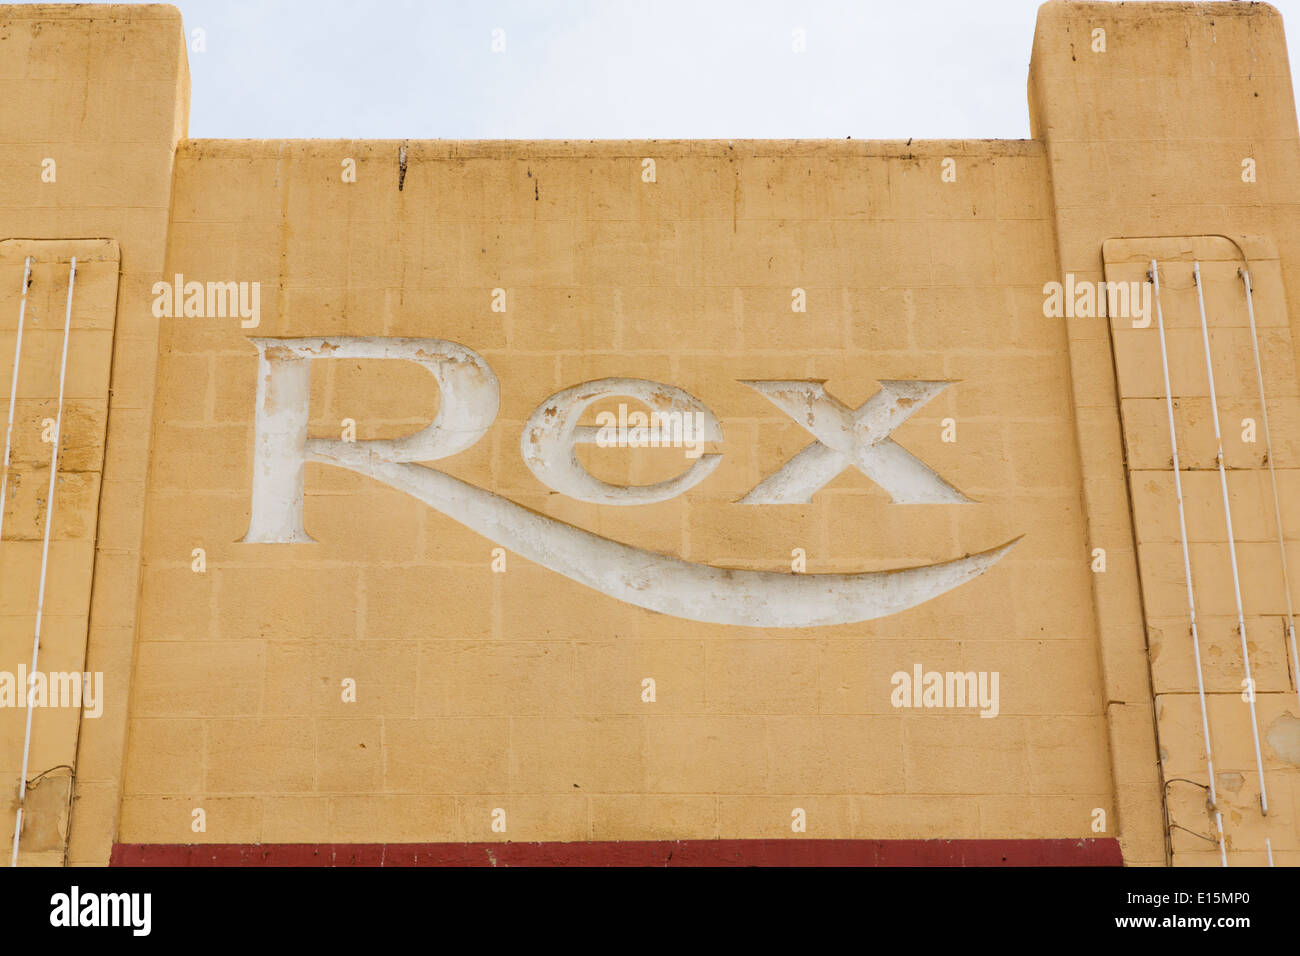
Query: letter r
point(469, 396)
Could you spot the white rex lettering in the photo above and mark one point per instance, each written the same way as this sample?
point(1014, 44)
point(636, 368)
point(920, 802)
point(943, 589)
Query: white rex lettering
point(470, 397)
point(848, 437)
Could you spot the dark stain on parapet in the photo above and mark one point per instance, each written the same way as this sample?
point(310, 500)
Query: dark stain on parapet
point(401, 167)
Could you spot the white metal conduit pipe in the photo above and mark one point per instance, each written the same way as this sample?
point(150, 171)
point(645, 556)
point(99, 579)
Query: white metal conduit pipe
point(1272, 474)
point(1187, 565)
point(45, 559)
point(9, 428)
point(1232, 545)
point(13, 389)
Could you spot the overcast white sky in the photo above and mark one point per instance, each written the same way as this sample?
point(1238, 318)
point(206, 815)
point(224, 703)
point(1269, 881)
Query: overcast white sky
point(613, 69)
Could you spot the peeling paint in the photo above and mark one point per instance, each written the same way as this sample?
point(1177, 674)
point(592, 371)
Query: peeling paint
point(1284, 737)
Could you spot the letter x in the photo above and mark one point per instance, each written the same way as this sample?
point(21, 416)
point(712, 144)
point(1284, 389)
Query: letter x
point(851, 437)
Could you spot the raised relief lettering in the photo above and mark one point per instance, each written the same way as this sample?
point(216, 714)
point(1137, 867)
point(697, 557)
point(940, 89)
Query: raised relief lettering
point(657, 582)
point(552, 434)
point(848, 437)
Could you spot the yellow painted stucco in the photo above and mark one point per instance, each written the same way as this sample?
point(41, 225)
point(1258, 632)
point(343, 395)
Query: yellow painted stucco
point(478, 689)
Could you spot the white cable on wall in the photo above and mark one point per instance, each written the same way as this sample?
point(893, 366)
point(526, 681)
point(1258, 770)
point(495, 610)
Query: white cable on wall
point(1272, 474)
point(1187, 564)
point(45, 558)
point(1232, 545)
point(13, 390)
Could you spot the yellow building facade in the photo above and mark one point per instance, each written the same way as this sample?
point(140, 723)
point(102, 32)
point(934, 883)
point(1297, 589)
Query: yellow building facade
point(752, 501)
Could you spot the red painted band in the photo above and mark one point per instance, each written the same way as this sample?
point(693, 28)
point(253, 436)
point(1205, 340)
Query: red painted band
point(1076, 852)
